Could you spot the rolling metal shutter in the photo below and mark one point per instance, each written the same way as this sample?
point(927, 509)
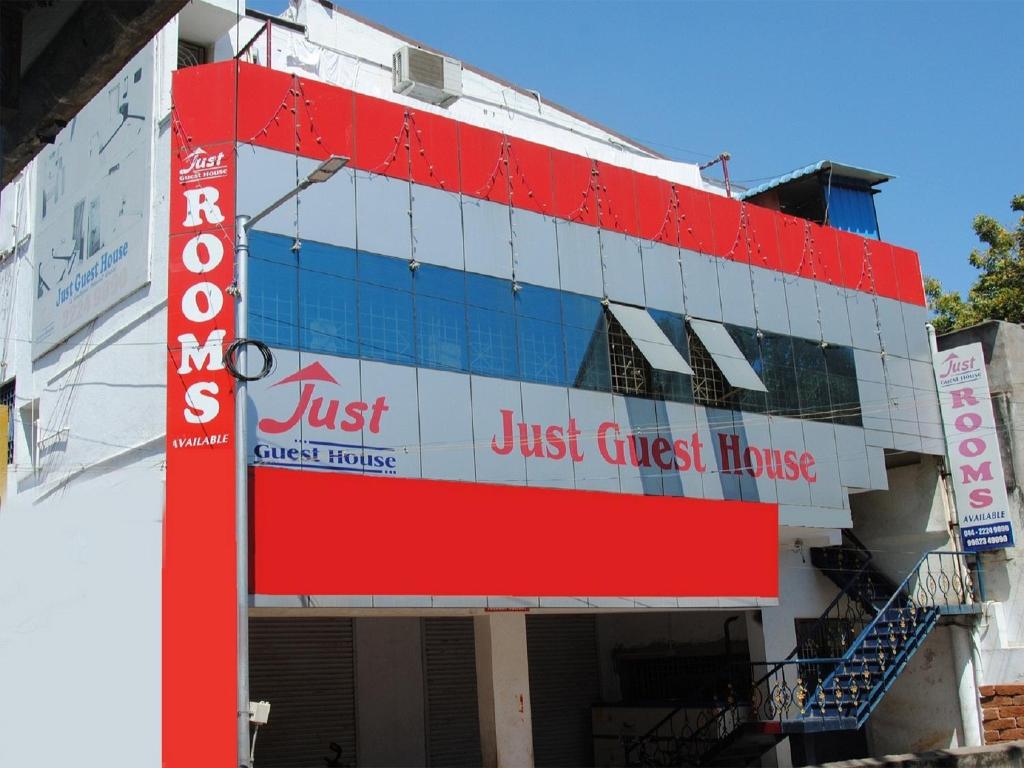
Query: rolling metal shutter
point(564, 684)
point(305, 668)
point(449, 667)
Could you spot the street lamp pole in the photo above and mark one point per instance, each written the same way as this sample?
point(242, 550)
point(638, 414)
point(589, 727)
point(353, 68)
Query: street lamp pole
point(242, 489)
point(243, 224)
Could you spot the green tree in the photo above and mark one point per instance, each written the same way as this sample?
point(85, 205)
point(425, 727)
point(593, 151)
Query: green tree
point(998, 293)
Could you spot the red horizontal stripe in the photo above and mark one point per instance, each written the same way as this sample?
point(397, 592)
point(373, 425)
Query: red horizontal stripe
point(324, 534)
point(289, 113)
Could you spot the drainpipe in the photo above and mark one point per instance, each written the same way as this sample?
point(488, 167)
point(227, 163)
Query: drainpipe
point(967, 685)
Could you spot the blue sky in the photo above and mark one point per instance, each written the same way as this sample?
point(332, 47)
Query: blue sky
point(931, 92)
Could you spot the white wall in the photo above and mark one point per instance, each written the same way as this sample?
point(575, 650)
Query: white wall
point(81, 529)
point(901, 524)
point(921, 711)
point(80, 620)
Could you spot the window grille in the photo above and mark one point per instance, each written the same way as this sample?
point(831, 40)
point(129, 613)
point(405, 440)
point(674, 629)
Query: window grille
point(631, 373)
point(709, 385)
point(7, 398)
point(190, 54)
point(686, 679)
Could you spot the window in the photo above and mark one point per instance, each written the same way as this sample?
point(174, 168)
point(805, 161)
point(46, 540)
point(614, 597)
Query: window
point(539, 320)
point(190, 54)
point(585, 333)
point(749, 343)
point(327, 300)
point(273, 289)
point(7, 399)
point(779, 375)
point(631, 373)
point(842, 386)
point(709, 385)
point(669, 385)
point(385, 309)
point(492, 327)
point(323, 298)
point(811, 380)
point(441, 318)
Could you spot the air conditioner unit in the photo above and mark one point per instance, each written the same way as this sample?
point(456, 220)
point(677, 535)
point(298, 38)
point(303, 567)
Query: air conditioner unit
point(426, 76)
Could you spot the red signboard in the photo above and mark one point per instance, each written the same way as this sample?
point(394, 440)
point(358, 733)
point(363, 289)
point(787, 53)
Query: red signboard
point(327, 534)
point(199, 626)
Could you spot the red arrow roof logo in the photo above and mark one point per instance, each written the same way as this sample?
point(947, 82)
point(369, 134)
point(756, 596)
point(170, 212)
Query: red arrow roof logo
point(312, 372)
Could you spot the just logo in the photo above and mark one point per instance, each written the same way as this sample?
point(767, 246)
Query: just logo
point(200, 165)
point(324, 413)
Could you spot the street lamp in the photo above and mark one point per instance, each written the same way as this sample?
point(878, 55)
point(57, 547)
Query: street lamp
point(243, 224)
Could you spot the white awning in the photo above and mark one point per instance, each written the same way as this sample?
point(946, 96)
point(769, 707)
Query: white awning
point(652, 342)
point(727, 355)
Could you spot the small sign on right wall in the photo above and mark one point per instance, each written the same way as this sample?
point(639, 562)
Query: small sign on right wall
point(972, 445)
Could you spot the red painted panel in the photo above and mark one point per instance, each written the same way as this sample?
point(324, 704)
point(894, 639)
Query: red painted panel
point(908, 276)
point(575, 187)
point(382, 143)
point(853, 261)
point(825, 248)
point(326, 115)
point(483, 168)
point(657, 209)
point(529, 166)
point(762, 237)
point(727, 236)
point(795, 241)
point(269, 111)
point(616, 199)
point(434, 147)
point(432, 537)
point(198, 597)
point(695, 220)
point(203, 99)
point(883, 269)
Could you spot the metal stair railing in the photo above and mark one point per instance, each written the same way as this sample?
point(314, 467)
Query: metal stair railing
point(842, 691)
point(783, 696)
point(678, 740)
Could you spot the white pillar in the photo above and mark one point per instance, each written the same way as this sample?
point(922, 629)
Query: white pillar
point(967, 688)
point(503, 690)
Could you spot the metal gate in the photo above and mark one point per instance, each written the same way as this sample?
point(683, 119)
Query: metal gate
point(449, 668)
point(305, 668)
point(564, 684)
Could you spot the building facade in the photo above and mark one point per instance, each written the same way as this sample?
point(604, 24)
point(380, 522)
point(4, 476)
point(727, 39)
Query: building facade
point(561, 453)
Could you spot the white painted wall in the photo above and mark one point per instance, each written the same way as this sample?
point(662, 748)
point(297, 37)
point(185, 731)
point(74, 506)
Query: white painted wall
point(901, 524)
point(81, 529)
point(921, 711)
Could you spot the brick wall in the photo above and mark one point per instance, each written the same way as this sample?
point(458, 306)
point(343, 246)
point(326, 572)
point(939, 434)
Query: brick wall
point(1002, 708)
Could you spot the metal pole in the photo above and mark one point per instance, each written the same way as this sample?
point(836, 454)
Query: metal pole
point(242, 490)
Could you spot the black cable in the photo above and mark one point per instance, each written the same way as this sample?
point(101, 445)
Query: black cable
point(231, 358)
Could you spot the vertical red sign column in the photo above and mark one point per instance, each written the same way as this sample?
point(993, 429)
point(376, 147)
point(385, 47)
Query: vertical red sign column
point(199, 616)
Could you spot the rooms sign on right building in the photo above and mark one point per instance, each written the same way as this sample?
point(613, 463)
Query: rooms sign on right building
point(972, 440)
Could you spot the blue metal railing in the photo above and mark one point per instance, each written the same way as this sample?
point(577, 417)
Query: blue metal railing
point(833, 692)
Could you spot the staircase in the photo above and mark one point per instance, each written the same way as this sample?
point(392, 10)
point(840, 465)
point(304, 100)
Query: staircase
point(843, 667)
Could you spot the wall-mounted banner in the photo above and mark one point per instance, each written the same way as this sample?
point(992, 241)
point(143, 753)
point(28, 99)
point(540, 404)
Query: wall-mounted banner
point(92, 237)
point(973, 448)
point(322, 412)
